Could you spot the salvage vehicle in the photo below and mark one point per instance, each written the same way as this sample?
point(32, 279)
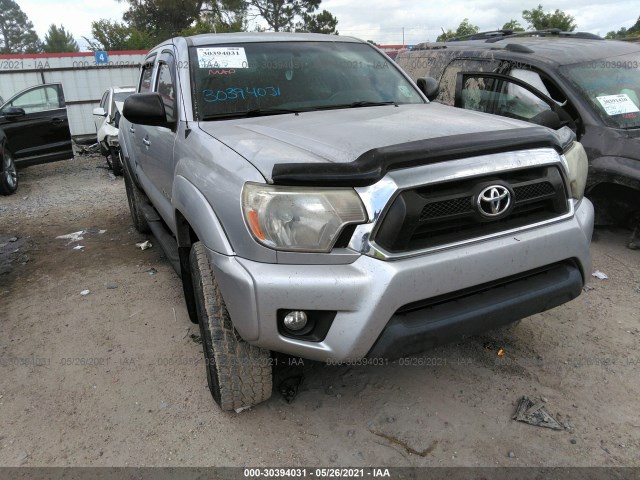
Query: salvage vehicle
point(36, 127)
point(8, 175)
point(553, 78)
point(107, 119)
point(316, 204)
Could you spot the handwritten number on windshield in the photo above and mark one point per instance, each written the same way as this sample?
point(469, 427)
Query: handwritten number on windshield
point(237, 93)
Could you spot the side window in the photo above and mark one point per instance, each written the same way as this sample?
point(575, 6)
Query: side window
point(38, 99)
point(447, 83)
point(166, 88)
point(103, 102)
point(499, 96)
point(145, 78)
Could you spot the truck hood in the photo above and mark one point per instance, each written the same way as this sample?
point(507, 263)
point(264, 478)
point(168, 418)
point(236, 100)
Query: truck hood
point(341, 136)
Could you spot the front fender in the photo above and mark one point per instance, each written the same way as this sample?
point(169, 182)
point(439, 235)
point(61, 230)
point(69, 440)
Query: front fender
point(197, 211)
point(618, 170)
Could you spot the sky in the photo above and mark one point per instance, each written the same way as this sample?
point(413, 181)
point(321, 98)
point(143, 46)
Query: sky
point(383, 21)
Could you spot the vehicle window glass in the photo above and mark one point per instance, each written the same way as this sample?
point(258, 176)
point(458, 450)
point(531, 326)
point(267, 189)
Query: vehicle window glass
point(236, 79)
point(38, 100)
point(145, 79)
point(532, 78)
point(447, 83)
point(501, 98)
point(611, 86)
point(167, 91)
point(121, 96)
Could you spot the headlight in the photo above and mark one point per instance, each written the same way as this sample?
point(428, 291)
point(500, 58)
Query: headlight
point(299, 218)
point(578, 166)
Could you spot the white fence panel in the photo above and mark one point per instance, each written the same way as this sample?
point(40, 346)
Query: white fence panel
point(83, 79)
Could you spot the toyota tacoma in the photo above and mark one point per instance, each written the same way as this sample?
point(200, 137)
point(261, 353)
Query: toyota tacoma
point(316, 204)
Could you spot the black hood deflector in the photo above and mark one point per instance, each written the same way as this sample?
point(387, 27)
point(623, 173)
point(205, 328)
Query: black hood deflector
point(374, 164)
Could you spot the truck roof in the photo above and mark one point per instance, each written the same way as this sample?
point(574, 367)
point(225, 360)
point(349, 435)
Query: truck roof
point(552, 50)
point(255, 37)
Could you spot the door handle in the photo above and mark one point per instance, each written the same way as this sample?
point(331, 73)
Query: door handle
point(131, 129)
point(147, 142)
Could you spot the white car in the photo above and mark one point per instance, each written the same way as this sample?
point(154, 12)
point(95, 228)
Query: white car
point(106, 118)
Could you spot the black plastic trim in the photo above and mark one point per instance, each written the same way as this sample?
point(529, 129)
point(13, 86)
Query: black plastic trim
point(374, 164)
point(420, 326)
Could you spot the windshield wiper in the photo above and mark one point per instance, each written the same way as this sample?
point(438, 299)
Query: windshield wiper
point(255, 112)
point(359, 104)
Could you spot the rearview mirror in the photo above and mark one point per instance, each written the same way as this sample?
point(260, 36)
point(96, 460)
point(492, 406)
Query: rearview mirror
point(547, 118)
point(146, 109)
point(428, 86)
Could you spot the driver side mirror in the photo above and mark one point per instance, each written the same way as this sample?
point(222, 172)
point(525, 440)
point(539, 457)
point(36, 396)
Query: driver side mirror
point(13, 112)
point(146, 109)
point(428, 86)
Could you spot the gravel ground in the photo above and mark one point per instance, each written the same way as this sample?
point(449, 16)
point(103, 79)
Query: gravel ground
point(115, 377)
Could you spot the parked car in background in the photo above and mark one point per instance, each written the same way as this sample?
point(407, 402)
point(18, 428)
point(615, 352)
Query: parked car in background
point(316, 204)
point(8, 175)
point(107, 119)
point(36, 130)
point(553, 78)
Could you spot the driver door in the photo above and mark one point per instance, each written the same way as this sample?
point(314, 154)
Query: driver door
point(36, 124)
point(509, 97)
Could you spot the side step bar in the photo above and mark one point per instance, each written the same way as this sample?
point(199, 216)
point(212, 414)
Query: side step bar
point(164, 237)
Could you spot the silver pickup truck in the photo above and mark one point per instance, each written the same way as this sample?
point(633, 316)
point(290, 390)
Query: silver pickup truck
point(316, 204)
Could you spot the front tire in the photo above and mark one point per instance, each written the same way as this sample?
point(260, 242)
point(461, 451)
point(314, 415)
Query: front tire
point(8, 174)
point(239, 374)
point(136, 198)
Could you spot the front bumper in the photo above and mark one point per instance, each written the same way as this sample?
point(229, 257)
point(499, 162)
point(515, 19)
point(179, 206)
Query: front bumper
point(367, 294)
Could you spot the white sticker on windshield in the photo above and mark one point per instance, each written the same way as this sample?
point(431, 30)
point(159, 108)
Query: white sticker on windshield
point(617, 104)
point(222, 57)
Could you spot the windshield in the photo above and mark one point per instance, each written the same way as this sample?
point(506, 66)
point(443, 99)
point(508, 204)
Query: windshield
point(612, 86)
point(121, 96)
point(281, 77)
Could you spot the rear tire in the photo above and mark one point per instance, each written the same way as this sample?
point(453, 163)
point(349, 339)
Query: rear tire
point(116, 162)
point(239, 374)
point(8, 174)
point(136, 198)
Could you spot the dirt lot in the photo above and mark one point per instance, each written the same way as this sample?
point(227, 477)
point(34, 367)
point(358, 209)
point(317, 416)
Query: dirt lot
point(115, 377)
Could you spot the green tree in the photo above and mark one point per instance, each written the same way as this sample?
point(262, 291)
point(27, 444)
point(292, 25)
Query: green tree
point(225, 15)
point(58, 40)
point(624, 32)
point(281, 15)
point(464, 29)
point(323, 22)
point(108, 35)
point(162, 19)
point(539, 20)
point(16, 30)
point(513, 25)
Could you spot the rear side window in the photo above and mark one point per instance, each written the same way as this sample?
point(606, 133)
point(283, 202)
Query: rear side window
point(447, 84)
point(145, 79)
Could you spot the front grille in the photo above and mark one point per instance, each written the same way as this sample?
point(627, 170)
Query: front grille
point(444, 213)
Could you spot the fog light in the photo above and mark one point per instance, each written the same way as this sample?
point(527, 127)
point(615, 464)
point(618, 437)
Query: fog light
point(295, 320)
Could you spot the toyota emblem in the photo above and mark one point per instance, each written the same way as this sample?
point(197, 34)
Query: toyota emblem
point(494, 201)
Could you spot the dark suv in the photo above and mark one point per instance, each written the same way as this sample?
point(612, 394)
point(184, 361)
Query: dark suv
point(554, 79)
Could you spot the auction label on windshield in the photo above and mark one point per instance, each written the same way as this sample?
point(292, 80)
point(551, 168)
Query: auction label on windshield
point(222, 57)
point(617, 104)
